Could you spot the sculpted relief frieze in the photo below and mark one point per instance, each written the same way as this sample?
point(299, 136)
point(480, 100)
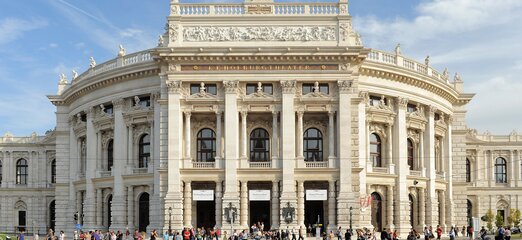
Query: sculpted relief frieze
point(264, 33)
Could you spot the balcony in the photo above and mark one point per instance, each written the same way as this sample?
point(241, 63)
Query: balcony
point(323, 164)
point(103, 174)
point(203, 164)
point(415, 173)
point(139, 170)
point(260, 164)
point(380, 169)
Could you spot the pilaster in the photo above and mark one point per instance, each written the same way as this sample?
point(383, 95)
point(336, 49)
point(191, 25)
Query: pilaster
point(429, 156)
point(244, 204)
point(118, 190)
point(89, 204)
point(400, 136)
point(275, 204)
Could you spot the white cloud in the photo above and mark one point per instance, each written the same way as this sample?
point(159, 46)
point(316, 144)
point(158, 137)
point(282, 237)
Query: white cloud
point(478, 38)
point(12, 28)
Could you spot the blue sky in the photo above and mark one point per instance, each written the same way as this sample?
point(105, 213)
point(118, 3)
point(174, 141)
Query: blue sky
point(39, 39)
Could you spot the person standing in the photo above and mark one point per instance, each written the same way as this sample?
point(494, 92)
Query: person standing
point(348, 234)
point(439, 232)
point(452, 233)
point(507, 233)
point(384, 234)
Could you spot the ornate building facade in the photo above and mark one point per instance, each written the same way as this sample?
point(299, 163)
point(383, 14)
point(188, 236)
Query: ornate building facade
point(288, 120)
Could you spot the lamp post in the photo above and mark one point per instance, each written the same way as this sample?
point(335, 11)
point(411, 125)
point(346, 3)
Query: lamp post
point(170, 218)
point(351, 209)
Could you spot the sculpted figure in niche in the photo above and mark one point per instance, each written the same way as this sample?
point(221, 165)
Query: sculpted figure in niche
point(102, 109)
point(136, 101)
point(160, 41)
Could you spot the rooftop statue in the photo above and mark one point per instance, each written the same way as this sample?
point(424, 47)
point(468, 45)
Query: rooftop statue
point(398, 49)
point(122, 51)
point(93, 63)
point(74, 74)
point(63, 79)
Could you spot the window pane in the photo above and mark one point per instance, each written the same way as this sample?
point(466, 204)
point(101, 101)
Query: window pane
point(251, 88)
point(324, 88)
point(194, 88)
point(211, 89)
point(268, 89)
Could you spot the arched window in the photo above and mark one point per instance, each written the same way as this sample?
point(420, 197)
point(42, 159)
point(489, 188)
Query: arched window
point(21, 171)
point(470, 211)
point(500, 170)
point(410, 153)
point(313, 145)
point(110, 154)
point(143, 212)
point(259, 145)
point(468, 171)
point(206, 149)
point(144, 151)
point(52, 215)
point(53, 171)
point(375, 150)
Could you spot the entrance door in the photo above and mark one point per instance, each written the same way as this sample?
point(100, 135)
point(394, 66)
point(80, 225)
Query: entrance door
point(314, 213)
point(109, 211)
point(143, 212)
point(377, 212)
point(52, 215)
point(259, 212)
point(21, 220)
point(206, 214)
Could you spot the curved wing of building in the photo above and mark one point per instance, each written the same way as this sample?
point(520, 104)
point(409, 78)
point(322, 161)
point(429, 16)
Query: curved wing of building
point(259, 113)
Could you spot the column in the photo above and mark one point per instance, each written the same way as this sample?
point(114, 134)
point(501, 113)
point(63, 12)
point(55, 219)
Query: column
point(130, 146)
point(400, 136)
point(130, 207)
point(420, 154)
point(299, 140)
point(218, 135)
point(300, 203)
point(244, 204)
point(118, 190)
point(429, 154)
point(448, 198)
point(422, 210)
point(244, 136)
point(346, 198)
point(275, 205)
point(288, 146)
point(487, 170)
point(511, 171)
point(187, 202)
point(99, 207)
point(442, 210)
point(331, 206)
point(188, 134)
point(219, 202)
point(492, 179)
point(389, 207)
point(389, 147)
point(90, 198)
point(231, 195)
point(331, 141)
point(275, 138)
point(171, 153)
point(79, 204)
point(99, 162)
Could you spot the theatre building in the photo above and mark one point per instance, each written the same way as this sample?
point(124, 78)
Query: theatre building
point(260, 112)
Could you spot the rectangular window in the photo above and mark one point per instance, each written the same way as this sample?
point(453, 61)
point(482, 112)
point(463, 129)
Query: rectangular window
point(436, 116)
point(109, 109)
point(309, 87)
point(145, 101)
point(209, 88)
point(252, 88)
point(377, 101)
point(411, 108)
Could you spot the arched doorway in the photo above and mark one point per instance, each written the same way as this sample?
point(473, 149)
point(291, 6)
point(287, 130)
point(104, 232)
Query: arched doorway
point(377, 211)
point(143, 212)
point(109, 211)
point(52, 215)
point(470, 211)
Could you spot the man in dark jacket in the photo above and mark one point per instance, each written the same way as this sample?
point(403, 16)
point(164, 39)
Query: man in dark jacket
point(384, 234)
point(348, 234)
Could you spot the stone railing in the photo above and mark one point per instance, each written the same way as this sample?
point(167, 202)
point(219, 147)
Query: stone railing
point(105, 173)
point(401, 61)
point(10, 139)
point(380, 169)
point(415, 173)
point(127, 60)
point(203, 164)
point(323, 164)
point(139, 170)
point(260, 164)
point(270, 8)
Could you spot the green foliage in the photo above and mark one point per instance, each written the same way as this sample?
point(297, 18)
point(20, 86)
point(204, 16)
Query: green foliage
point(488, 218)
point(515, 216)
point(499, 220)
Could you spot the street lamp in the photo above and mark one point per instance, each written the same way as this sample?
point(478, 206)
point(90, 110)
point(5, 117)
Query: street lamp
point(170, 218)
point(351, 209)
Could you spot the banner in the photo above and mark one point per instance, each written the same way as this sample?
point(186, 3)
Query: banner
point(203, 195)
point(259, 195)
point(316, 195)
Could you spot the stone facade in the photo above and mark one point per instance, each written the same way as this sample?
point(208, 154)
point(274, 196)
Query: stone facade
point(222, 125)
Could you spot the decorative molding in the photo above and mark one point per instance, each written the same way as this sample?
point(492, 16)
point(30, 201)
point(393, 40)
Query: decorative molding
point(20, 154)
point(402, 102)
point(288, 86)
point(344, 86)
point(380, 129)
point(344, 30)
point(107, 135)
point(262, 33)
point(173, 86)
point(230, 86)
point(118, 103)
point(173, 30)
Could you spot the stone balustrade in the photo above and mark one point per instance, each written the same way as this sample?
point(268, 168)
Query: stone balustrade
point(323, 164)
point(196, 164)
point(277, 9)
point(260, 164)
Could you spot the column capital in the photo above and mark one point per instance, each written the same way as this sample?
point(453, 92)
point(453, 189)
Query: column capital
point(288, 86)
point(244, 113)
point(173, 86)
point(231, 86)
point(365, 96)
point(90, 111)
point(331, 113)
point(274, 113)
point(432, 109)
point(118, 103)
point(187, 113)
point(402, 102)
point(344, 86)
point(300, 112)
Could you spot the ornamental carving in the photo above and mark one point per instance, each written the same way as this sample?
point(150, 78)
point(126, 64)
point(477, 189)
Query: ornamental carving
point(365, 97)
point(419, 112)
point(19, 155)
point(140, 130)
point(108, 135)
point(402, 102)
point(344, 86)
point(264, 33)
point(205, 122)
point(118, 103)
point(288, 86)
point(174, 86)
point(379, 129)
point(173, 32)
point(414, 135)
point(345, 30)
point(51, 155)
point(230, 86)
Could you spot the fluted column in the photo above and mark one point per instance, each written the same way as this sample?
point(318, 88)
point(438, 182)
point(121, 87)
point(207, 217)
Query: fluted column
point(90, 198)
point(389, 147)
point(187, 202)
point(299, 140)
point(219, 202)
point(422, 207)
point(244, 204)
point(331, 205)
point(99, 207)
point(118, 190)
point(99, 160)
point(448, 198)
point(275, 205)
point(188, 134)
point(275, 138)
point(244, 137)
point(300, 203)
point(511, 173)
point(421, 154)
point(389, 207)
point(130, 207)
point(331, 141)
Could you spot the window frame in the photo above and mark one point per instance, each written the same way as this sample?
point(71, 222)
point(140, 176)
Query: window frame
point(209, 88)
point(411, 153)
point(110, 154)
point(309, 88)
point(143, 157)
point(468, 170)
point(53, 171)
point(22, 176)
point(309, 153)
point(262, 153)
point(376, 157)
point(200, 152)
point(500, 177)
point(251, 88)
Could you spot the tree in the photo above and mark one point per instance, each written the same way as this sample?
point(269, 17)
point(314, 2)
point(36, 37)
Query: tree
point(514, 217)
point(488, 218)
point(499, 220)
